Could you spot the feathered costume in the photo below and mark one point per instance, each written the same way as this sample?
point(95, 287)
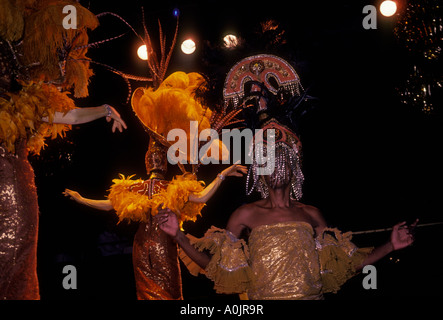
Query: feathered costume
point(21, 115)
point(170, 106)
point(37, 58)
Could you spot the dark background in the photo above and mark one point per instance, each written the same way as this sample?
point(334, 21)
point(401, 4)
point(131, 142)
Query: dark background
point(369, 161)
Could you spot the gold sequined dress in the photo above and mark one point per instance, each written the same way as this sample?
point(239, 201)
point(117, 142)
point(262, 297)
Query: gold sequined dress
point(281, 261)
point(18, 226)
point(155, 261)
point(155, 254)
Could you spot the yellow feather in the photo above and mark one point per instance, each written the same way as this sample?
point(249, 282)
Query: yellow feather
point(135, 206)
point(21, 115)
point(172, 105)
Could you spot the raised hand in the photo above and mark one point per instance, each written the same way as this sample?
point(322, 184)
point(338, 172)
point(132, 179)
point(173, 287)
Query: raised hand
point(236, 170)
point(402, 235)
point(74, 195)
point(118, 121)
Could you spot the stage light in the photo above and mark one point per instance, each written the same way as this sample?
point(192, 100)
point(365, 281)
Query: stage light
point(230, 41)
point(176, 12)
point(188, 46)
point(142, 52)
point(388, 8)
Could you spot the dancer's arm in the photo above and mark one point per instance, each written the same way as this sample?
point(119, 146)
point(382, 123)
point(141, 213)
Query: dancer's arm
point(104, 205)
point(401, 237)
point(168, 222)
point(84, 115)
point(203, 196)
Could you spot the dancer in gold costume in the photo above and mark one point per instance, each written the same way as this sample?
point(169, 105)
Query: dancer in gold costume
point(39, 62)
point(155, 256)
point(290, 253)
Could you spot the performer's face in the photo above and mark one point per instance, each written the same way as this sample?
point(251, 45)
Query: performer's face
point(155, 159)
point(280, 178)
point(282, 175)
point(261, 102)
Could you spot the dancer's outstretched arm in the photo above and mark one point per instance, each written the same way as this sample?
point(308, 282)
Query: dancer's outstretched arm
point(84, 115)
point(104, 205)
point(401, 237)
point(235, 170)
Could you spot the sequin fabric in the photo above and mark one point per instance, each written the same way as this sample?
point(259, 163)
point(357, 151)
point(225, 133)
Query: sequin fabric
point(155, 256)
point(284, 262)
point(18, 227)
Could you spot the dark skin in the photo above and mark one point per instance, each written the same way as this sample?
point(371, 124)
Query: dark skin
point(278, 207)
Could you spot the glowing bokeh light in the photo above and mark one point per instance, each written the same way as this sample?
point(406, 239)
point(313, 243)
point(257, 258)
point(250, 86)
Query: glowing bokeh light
point(230, 41)
point(388, 8)
point(188, 46)
point(142, 52)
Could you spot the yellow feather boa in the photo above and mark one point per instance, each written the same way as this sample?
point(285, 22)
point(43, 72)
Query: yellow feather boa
point(135, 206)
point(21, 114)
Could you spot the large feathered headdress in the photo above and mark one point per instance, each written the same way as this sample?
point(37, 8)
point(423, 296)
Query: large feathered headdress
point(280, 86)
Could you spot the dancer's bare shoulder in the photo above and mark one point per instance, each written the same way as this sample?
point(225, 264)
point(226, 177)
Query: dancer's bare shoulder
point(318, 221)
point(240, 218)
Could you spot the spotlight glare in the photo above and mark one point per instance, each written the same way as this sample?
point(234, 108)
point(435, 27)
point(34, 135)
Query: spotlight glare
point(388, 8)
point(142, 52)
point(188, 46)
point(176, 12)
point(230, 41)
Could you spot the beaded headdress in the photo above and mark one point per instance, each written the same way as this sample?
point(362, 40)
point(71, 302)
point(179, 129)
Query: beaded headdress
point(284, 150)
point(275, 75)
point(274, 72)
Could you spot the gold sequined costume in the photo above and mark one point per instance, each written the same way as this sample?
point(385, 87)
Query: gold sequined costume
point(155, 256)
point(156, 265)
point(32, 72)
point(18, 227)
point(155, 261)
point(282, 261)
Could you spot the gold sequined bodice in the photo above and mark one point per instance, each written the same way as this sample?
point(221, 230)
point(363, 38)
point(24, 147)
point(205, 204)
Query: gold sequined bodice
point(284, 262)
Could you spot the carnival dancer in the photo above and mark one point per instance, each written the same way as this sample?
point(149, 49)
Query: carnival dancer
point(173, 105)
point(39, 62)
point(290, 253)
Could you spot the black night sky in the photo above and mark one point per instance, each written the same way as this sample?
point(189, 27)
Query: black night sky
point(369, 161)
